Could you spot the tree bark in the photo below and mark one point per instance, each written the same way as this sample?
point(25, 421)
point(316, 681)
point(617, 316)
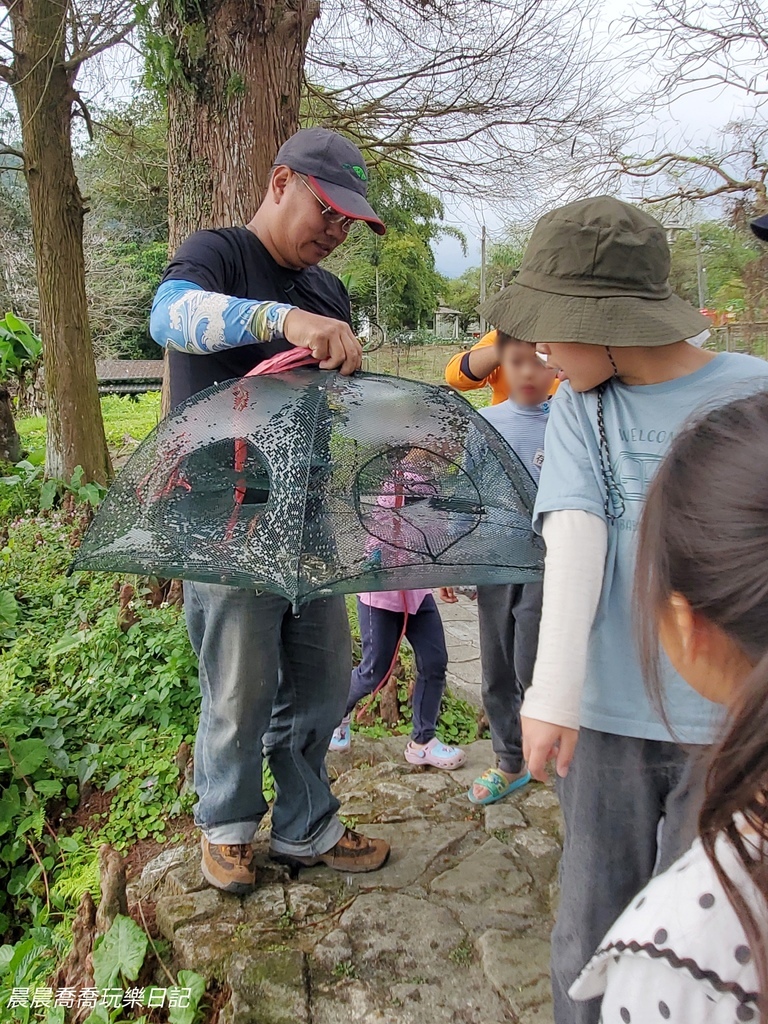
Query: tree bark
point(10, 444)
point(44, 91)
point(114, 900)
point(233, 102)
point(76, 971)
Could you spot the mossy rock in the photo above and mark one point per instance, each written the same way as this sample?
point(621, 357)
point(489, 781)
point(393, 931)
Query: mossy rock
point(268, 987)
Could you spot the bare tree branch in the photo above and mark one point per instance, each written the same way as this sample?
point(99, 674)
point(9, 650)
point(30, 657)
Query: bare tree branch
point(738, 168)
point(695, 45)
point(79, 102)
point(77, 58)
point(9, 7)
point(699, 43)
point(10, 151)
point(467, 89)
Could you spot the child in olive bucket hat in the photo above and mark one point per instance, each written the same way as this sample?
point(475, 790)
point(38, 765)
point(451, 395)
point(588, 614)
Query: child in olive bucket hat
point(593, 293)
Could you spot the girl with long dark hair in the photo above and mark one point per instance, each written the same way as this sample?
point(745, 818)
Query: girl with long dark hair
point(693, 946)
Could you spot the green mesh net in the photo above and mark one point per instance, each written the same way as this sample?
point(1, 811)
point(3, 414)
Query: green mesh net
point(309, 483)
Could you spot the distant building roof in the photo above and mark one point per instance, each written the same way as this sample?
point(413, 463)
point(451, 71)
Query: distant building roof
point(447, 311)
point(129, 376)
point(130, 369)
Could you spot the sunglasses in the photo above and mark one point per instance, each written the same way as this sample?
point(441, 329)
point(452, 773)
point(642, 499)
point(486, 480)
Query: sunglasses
point(328, 212)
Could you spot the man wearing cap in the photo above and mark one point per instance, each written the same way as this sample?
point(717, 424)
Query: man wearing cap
point(270, 682)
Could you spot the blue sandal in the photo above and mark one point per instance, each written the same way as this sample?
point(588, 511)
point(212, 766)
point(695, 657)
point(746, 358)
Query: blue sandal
point(496, 784)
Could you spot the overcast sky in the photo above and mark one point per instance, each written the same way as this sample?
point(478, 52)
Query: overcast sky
point(687, 122)
point(683, 124)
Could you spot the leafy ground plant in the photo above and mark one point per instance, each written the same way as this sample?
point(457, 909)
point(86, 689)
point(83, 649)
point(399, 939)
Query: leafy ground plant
point(20, 348)
point(84, 707)
point(118, 958)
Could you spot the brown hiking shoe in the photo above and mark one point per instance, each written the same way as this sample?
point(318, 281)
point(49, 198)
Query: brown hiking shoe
point(230, 867)
point(353, 852)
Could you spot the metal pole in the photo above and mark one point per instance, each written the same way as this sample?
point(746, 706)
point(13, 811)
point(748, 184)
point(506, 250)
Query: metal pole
point(700, 272)
point(483, 325)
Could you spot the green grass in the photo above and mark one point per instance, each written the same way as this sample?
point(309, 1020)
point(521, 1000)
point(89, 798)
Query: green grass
point(126, 417)
point(420, 362)
point(32, 433)
point(126, 422)
point(463, 954)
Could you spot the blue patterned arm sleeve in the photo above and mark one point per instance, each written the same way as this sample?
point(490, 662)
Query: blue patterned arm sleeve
point(190, 319)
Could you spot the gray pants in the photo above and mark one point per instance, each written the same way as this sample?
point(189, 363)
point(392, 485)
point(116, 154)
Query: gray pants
point(271, 683)
point(509, 617)
point(615, 797)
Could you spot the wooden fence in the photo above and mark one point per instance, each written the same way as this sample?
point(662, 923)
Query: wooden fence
point(751, 338)
point(419, 362)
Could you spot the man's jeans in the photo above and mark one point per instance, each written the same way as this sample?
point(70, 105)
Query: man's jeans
point(271, 684)
point(630, 808)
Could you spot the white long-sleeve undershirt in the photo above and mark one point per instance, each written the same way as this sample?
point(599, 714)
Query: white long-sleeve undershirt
point(574, 565)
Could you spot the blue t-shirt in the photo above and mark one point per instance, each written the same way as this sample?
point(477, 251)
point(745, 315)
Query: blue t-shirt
point(640, 423)
point(523, 428)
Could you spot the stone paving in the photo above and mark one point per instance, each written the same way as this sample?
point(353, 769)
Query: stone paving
point(460, 623)
point(453, 930)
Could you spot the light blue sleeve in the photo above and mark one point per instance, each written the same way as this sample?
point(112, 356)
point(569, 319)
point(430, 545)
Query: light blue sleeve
point(190, 319)
point(571, 476)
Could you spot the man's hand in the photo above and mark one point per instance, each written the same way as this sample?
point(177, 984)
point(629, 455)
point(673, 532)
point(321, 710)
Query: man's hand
point(330, 341)
point(447, 594)
point(543, 742)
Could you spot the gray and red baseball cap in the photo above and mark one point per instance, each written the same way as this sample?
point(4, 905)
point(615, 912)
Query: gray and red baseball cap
point(760, 227)
point(336, 170)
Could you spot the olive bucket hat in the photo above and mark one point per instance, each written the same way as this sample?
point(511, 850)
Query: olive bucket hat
point(596, 272)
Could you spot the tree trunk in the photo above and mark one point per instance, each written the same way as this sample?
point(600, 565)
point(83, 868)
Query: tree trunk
point(10, 444)
point(44, 92)
point(233, 102)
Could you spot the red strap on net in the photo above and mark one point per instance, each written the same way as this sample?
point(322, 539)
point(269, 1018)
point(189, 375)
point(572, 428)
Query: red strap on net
point(290, 360)
point(398, 503)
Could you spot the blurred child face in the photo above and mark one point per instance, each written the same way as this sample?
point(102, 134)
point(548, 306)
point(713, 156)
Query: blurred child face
point(528, 379)
point(583, 366)
point(707, 659)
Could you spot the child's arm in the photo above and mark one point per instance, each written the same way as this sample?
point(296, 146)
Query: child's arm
point(576, 542)
point(570, 513)
point(468, 371)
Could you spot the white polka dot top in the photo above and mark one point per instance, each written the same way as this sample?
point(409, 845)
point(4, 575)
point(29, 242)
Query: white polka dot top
point(678, 952)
